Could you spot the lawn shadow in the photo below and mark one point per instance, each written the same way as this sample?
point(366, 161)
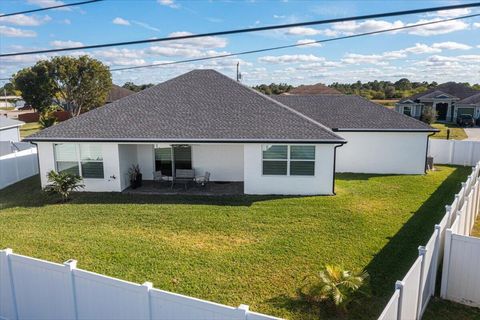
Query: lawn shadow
point(28, 193)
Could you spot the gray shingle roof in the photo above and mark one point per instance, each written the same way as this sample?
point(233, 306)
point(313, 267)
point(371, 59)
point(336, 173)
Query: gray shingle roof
point(8, 123)
point(475, 99)
point(458, 90)
point(201, 105)
point(117, 92)
point(352, 112)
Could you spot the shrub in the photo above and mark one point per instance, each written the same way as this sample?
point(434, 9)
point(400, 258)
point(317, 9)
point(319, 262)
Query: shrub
point(63, 183)
point(428, 115)
point(334, 286)
point(47, 118)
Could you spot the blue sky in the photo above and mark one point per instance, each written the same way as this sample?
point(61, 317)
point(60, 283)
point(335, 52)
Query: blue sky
point(441, 52)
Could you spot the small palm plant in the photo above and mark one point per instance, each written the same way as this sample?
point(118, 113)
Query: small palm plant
point(335, 286)
point(63, 183)
point(47, 118)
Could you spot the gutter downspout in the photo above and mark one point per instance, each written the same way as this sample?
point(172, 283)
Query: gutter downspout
point(38, 157)
point(334, 166)
point(426, 151)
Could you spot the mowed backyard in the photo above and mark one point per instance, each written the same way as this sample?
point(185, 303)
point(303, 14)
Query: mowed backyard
point(248, 249)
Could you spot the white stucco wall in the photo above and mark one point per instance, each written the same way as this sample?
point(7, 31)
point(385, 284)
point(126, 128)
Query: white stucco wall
point(127, 154)
point(256, 183)
point(146, 160)
point(10, 134)
point(223, 161)
point(111, 180)
point(382, 152)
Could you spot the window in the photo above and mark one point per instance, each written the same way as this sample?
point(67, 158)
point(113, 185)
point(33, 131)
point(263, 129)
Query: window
point(163, 160)
point(295, 160)
point(407, 111)
point(85, 160)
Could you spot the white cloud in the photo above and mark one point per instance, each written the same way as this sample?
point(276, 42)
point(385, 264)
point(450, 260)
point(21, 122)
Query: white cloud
point(438, 28)
point(66, 21)
point(120, 53)
point(453, 13)
point(145, 25)
point(353, 27)
point(65, 44)
point(421, 48)
point(450, 45)
point(25, 21)
point(308, 43)
point(168, 3)
point(476, 25)
point(295, 58)
point(120, 21)
point(276, 16)
point(48, 3)
point(204, 42)
point(303, 31)
point(18, 33)
point(354, 58)
point(182, 52)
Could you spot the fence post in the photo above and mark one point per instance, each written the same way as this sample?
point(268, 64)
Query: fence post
point(72, 265)
point(244, 309)
point(446, 263)
point(452, 150)
point(449, 212)
point(422, 251)
point(399, 285)
point(436, 258)
point(148, 286)
point(7, 252)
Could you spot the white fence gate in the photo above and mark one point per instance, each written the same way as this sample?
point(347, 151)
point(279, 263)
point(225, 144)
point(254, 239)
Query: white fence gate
point(412, 294)
point(17, 166)
point(36, 289)
point(461, 274)
point(459, 152)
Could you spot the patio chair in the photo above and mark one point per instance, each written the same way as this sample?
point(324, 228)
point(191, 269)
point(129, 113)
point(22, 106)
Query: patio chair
point(184, 176)
point(203, 180)
point(159, 177)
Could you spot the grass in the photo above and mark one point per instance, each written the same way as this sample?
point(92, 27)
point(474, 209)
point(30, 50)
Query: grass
point(389, 103)
point(29, 128)
point(447, 310)
point(248, 249)
point(456, 132)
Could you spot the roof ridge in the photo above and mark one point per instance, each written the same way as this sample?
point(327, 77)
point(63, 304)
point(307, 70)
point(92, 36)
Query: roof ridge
point(283, 106)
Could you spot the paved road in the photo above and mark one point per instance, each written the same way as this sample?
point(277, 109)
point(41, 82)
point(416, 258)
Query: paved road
point(473, 133)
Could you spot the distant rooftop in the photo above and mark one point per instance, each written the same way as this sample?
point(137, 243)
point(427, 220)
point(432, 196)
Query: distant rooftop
point(8, 123)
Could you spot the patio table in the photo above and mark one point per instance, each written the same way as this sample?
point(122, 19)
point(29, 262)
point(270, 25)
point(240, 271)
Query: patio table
point(184, 176)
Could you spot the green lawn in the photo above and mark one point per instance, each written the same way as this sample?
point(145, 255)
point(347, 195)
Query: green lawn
point(447, 310)
point(246, 249)
point(29, 128)
point(456, 132)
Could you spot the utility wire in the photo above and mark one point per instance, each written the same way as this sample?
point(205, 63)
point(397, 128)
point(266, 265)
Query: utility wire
point(48, 8)
point(296, 45)
point(236, 31)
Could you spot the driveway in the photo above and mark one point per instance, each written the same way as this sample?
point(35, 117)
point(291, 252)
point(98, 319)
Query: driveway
point(473, 133)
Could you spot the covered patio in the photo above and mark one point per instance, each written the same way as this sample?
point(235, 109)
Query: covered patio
point(213, 188)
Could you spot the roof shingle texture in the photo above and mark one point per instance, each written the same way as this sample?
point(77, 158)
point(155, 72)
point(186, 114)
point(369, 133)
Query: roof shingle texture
point(198, 105)
point(351, 112)
point(117, 92)
point(475, 99)
point(457, 90)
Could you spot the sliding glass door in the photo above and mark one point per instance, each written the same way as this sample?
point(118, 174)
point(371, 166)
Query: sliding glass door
point(169, 159)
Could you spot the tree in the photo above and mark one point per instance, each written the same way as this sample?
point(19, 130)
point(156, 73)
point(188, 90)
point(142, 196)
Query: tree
point(36, 85)
point(137, 87)
point(429, 115)
point(403, 84)
point(76, 84)
point(81, 83)
point(63, 183)
point(9, 90)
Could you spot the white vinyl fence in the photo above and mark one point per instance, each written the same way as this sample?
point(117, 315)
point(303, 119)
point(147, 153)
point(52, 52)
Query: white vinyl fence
point(413, 293)
point(17, 166)
point(36, 289)
point(459, 152)
point(461, 273)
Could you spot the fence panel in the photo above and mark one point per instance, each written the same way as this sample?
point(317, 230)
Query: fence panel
point(391, 310)
point(18, 166)
point(411, 285)
point(463, 278)
point(36, 289)
point(429, 272)
point(454, 151)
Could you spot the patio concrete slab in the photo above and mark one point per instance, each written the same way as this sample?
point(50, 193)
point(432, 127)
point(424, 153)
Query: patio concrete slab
point(212, 189)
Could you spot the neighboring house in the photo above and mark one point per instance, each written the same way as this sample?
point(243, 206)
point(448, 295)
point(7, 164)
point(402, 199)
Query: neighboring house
point(209, 122)
point(318, 88)
point(10, 129)
point(379, 140)
point(117, 92)
point(449, 100)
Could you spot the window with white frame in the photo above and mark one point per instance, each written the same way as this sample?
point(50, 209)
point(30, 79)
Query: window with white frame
point(407, 111)
point(85, 160)
point(288, 160)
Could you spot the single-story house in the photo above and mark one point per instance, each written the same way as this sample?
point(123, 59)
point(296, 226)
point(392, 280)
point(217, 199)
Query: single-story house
point(10, 129)
point(206, 121)
point(449, 100)
point(117, 92)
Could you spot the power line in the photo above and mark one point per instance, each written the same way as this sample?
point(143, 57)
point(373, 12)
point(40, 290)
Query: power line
point(296, 45)
point(236, 31)
point(49, 8)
